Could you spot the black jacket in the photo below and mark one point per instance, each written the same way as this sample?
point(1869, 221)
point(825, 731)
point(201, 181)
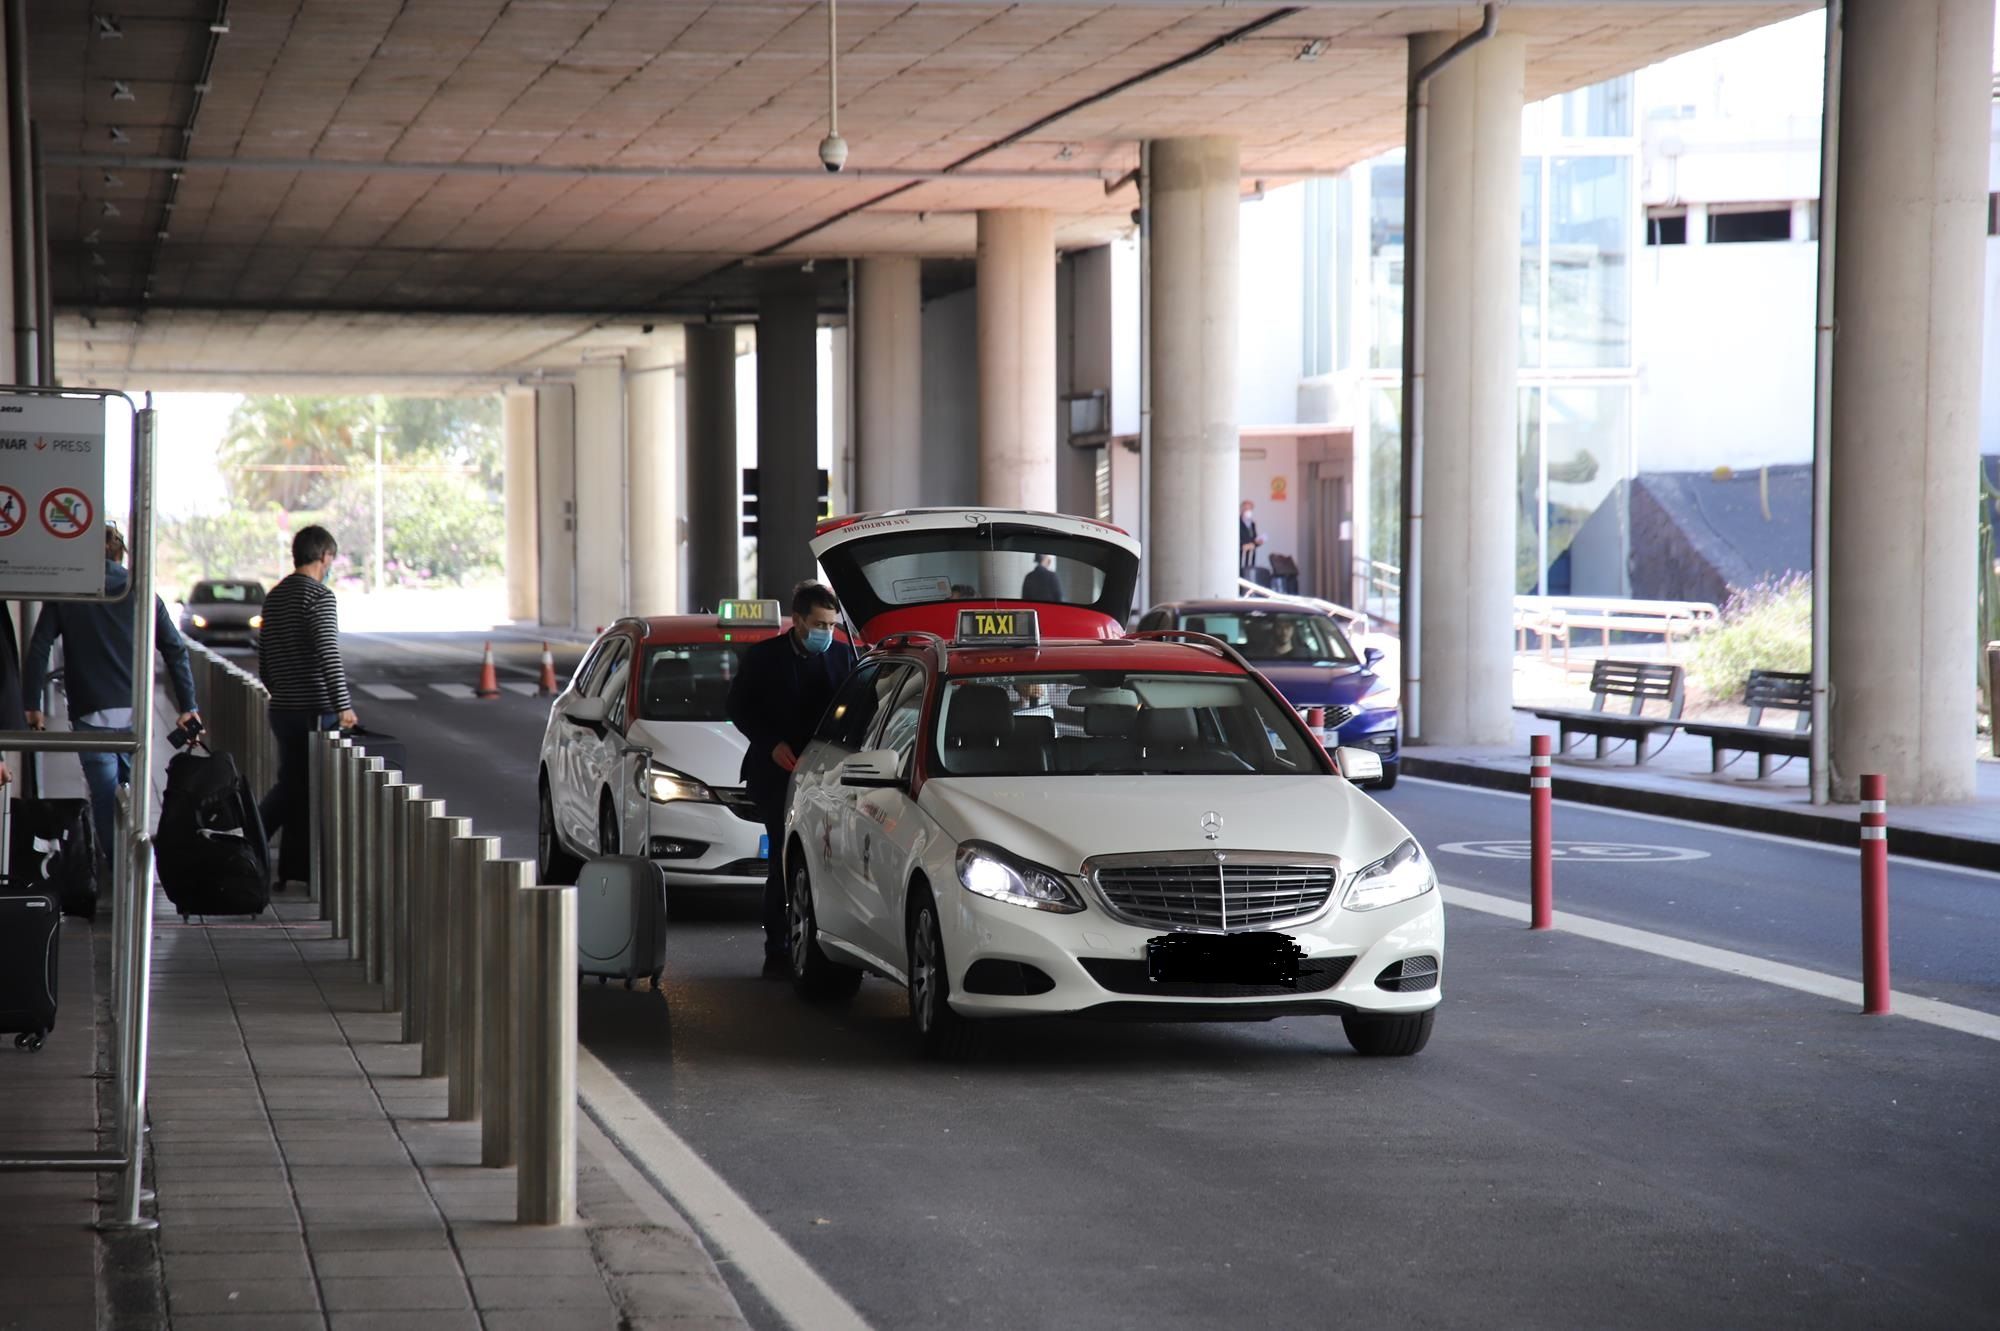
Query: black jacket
point(779, 697)
point(98, 650)
point(12, 700)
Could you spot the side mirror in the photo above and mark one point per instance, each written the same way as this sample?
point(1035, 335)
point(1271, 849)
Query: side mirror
point(1371, 657)
point(875, 768)
point(1361, 766)
point(586, 711)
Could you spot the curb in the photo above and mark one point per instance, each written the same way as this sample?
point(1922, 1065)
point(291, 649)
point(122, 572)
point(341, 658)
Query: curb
point(1826, 829)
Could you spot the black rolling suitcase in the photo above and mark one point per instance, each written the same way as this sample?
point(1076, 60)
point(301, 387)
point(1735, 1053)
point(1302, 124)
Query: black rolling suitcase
point(29, 927)
point(211, 850)
point(52, 848)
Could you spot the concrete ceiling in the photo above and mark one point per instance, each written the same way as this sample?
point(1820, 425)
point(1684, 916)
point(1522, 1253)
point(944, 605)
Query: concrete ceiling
point(546, 164)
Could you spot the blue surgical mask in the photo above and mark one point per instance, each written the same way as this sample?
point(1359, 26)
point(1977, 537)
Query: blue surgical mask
point(818, 640)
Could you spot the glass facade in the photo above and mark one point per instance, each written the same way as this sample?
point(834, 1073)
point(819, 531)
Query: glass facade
point(1580, 225)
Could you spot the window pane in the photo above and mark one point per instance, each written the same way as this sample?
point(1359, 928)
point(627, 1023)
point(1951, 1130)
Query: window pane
point(1385, 475)
point(1600, 112)
point(1528, 525)
point(1531, 263)
point(1589, 273)
point(1343, 276)
point(1385, 260)
point(1588, 457)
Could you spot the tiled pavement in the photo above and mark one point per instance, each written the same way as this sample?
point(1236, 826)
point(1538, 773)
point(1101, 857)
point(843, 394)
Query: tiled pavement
point(306, 1174)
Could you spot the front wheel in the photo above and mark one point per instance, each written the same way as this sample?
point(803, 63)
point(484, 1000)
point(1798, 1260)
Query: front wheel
point(556, 867)
point(941, 1032)
point(1392, 1035)
point(814, 975)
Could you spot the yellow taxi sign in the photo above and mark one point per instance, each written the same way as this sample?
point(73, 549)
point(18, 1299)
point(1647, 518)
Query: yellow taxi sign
point(750, 614)
point(1010, 628)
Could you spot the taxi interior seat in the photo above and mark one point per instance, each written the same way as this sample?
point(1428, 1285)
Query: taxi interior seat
point(981, 738)
point(670, 688)
point(1172, 738)
point(1106, 743)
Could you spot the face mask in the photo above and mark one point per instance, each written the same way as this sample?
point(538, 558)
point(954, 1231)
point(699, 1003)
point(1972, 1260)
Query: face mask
point(1249, 514)
point(818, 640)
point(326, 573)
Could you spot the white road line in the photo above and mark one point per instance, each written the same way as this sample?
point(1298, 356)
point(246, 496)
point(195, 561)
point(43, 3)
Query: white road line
point(728, 1223)
point(521, 686)
point(453, 690)
point(1950, 1016)
point(387, 692)
point(1772, 837)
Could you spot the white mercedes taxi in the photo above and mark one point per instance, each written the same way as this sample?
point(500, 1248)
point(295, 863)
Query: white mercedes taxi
point(639, 753)
point(1012, 809)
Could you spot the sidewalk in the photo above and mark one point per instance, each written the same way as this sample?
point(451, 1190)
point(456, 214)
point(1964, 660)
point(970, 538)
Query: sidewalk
point(306, 1174)
point(1678, 784)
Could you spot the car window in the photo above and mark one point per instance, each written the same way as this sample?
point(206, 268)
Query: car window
point(903, 719)
point(689, 682)
point(613, 690)
point(227, 593)
point(586, 670)
point(1299, 637)
point(1156, 620)
point(848, 720)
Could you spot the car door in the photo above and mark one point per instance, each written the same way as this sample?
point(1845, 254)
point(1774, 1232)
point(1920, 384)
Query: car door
point(886, 822)
point(820, 804)
point(597, 748)
point(564, 737)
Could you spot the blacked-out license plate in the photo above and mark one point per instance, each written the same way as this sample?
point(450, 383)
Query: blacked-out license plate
point(1223, 959)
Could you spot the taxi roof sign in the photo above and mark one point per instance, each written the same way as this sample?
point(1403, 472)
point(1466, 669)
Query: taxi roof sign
point(750, 614)
point(1000, 628)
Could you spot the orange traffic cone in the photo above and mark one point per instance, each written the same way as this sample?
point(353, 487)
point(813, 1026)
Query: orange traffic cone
point(548, 686)
point(489, 678)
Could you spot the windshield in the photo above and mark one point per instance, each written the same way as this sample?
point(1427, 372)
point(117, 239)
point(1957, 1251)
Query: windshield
point(688, 682)
point(990, 561)
point(1118, 722)
point(1298, 637)
point(233, 593)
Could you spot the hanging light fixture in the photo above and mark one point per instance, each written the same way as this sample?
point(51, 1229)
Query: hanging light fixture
point(832, 148)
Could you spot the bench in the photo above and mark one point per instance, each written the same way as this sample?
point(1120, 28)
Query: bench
point(1766, 690)
point(1642, 682)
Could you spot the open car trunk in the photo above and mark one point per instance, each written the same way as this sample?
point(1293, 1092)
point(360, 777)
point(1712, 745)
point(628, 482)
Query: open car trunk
point(916, 568)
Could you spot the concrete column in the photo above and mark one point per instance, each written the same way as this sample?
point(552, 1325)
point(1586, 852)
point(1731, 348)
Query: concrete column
point(653, 498)
point(888, 383)
point(1195, 197)
point(1017, 358)
point(713, 495)
point(555, 501)
point(601, 543)
point(787, 429)
point(1908, 279)
point(518, 482)
point(1472, 318)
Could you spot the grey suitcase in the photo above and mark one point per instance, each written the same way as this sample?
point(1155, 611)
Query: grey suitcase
point(621, 919)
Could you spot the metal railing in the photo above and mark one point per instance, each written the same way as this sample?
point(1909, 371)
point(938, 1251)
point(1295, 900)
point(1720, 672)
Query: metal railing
point(1559, 619)
point(478, 958)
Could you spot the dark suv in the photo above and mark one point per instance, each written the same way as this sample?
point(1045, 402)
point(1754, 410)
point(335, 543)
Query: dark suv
point(1311, 661)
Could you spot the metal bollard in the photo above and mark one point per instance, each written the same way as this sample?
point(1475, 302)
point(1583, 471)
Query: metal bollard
point(396, 894)
point(388, 790)
point(436, 951)
point(336, 825)
point(361, 918)
point(545, 988)
point(350, 864)
point(500, 1027)
point(411, 972)
point(315, 814)
point(469, 858)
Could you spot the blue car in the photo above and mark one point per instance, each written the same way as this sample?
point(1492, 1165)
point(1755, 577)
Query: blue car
point(1306, 655)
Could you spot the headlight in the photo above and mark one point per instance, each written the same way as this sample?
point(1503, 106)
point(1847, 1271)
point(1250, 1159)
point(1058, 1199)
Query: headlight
point(992, 872)
point(256, 621)
point(1400, 875)
point(198, 621)
point(665, 786)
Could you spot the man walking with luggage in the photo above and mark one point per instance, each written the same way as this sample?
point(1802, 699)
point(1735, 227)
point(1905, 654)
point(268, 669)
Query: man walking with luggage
point(298, 655)
point(776, 701)
point(98, 658)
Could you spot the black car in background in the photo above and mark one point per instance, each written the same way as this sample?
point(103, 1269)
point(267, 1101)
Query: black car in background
point(223, 610)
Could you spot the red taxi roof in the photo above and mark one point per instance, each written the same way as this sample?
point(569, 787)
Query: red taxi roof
point(1091, 654)
point(668, 630)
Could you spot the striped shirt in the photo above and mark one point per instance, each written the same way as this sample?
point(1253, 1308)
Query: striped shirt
point(298, 651)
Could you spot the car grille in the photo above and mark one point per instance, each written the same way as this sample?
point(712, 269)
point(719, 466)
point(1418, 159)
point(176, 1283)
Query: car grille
point(1335, 715)
point(1133, 977)
point(1219, 891)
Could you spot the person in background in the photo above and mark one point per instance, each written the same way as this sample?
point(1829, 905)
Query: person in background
point(776, 700)
point(13, 711)
point(98, 656)
point(298, 655)
point(1247, 539)
point(1042, 584)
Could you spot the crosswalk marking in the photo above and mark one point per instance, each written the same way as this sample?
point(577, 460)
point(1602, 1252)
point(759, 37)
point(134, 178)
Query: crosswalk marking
point(453, 690)
point(520, 686)
point(387, 692)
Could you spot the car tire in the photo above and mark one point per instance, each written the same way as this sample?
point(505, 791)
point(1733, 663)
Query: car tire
point(553, 865)
point(815, 976)
point(941, 1033)
point(1390, 1035)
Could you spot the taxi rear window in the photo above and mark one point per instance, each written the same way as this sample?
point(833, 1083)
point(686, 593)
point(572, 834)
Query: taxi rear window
point(688, 682)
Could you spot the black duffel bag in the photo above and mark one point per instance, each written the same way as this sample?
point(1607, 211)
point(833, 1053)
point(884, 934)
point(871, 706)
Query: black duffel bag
point(211, 849)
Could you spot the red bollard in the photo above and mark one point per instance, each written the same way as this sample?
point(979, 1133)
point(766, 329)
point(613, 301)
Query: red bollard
point(1541, 834)
point(1874, 895)
point(1316, 722)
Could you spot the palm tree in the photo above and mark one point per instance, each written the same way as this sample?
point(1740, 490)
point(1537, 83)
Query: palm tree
point(276, 445)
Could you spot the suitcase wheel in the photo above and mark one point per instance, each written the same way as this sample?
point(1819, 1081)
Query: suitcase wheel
point(628, 982)
point(29, 1040)
point(604, 979)
point(656, 981)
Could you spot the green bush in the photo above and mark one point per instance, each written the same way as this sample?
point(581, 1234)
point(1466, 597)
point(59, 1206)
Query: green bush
point(1766, 627)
